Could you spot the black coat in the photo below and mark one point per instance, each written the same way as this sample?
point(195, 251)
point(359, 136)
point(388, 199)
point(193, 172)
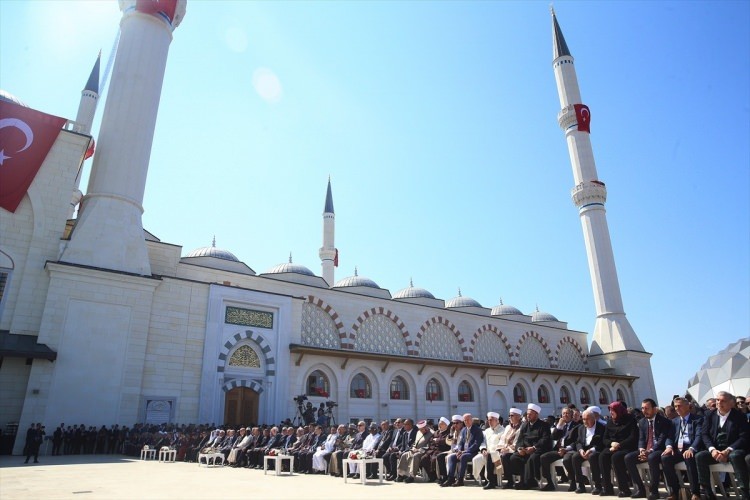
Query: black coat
point(736, 427)
point(625, 432)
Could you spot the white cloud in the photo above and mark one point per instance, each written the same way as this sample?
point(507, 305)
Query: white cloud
point(267, 85)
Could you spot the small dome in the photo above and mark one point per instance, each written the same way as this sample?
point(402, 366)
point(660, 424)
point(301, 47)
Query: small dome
point(540, 316)
point(461, 301)
point(212, 251)
point(356, 280)
point(504, 310)
point(290, 267)
point(8, 97)
point(413, 292)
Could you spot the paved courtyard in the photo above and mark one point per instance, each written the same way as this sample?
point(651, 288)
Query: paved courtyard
point(113, 477)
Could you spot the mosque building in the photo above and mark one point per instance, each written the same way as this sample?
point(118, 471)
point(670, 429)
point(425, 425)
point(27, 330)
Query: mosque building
point(101, 322)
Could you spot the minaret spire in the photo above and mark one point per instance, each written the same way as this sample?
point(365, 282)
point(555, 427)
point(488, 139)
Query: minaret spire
point(328, 252)
point(89, 99)
point(612, 330)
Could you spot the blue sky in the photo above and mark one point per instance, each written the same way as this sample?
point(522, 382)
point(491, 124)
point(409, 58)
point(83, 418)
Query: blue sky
point(437, 124)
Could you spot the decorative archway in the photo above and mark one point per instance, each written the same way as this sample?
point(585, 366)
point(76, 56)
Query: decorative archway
point(265, 349)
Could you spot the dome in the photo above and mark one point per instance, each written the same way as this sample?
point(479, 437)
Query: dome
point(8, 97)
point(540, 316)
point(461, 301)
point(727, 370)
point(290, 267)
point(413, 292)
point(355, 280)
point(212, 251)
point(504, 310)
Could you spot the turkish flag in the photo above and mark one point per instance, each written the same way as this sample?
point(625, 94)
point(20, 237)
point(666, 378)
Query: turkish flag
point(166, 7)
point(336, 259)
point(583, 115)
point(26, 136)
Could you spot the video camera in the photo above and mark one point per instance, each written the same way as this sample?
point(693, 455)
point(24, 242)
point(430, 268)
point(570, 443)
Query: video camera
point(331, 404)
point(300, 399)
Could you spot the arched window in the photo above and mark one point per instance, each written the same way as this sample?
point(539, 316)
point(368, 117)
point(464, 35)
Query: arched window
point(620, 395)
point(542, 394)
point(603, 398)
point(317, 384)
point(519, 394)
point(360, 387)
point(434, 390)
point(585, 398)
point(399, 389)
point(465, 394)
point(564, 395)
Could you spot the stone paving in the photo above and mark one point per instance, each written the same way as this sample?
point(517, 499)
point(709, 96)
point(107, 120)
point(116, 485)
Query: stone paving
point(83, 477)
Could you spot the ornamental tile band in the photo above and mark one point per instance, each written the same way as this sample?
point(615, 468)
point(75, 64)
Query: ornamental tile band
point(248, 317)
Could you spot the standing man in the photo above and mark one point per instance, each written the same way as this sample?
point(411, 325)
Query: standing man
point(682, 446)
point(725, 436)
point(534, 439)
point(33, 442)
point(653, 431)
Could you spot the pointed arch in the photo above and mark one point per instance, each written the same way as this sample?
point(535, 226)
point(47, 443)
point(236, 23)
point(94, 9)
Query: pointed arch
point(439, 320)
point(258, 339)
point(331, 312)
point(533, 335)
point(570, 364)
point(384, 313)
point(493, 329)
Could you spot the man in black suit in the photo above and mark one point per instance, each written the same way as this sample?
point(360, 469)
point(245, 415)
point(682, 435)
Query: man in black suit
point(726, 437)
point(565, 433)
point(533, 441)
point(403, 441)
point(653, 431)
point(33, 442)
point(682, 446)
point(590, 442)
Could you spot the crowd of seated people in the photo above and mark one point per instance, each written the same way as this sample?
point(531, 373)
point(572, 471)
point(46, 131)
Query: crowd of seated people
point(602, 451)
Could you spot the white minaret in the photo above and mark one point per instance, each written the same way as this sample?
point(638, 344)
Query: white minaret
point(612, 331)
point(109, 230)
point(89, 98)
point(328, 253)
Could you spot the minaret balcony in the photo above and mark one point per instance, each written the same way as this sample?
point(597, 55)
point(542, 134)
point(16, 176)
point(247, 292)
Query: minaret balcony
point(567, 117)
point(589, 192)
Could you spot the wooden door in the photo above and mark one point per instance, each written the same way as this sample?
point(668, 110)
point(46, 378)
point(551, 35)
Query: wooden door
point(241, 407)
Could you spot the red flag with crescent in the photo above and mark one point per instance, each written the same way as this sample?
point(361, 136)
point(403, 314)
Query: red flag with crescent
point(336, 259)
point(26, 136)
point(583, 115)
point(166, 7)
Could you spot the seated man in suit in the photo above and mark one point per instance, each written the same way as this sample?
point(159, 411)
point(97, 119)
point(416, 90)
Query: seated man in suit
point(402, 442)
point(653, 431)
point(468, 446)
point(589, 443)
point(684, 443)
point(565, 433)
point(725, 435)
point(534, 439)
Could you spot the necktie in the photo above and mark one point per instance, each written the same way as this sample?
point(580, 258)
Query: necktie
point(650, 436)
point(681, 436)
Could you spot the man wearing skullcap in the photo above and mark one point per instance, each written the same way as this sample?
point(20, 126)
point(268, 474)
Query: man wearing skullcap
point(491, 437)
point(436, 446)
point(502, 453)
point(409, 462)
point(468, 446)
point(533, 440)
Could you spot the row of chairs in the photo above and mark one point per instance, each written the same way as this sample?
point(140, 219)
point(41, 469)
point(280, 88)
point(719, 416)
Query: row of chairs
point(716, 471)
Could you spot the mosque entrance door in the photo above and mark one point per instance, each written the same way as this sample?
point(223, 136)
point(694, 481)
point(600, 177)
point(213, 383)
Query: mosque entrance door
point(241, 406)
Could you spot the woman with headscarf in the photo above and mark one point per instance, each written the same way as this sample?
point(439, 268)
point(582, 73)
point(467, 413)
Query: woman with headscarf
point(620, 438)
